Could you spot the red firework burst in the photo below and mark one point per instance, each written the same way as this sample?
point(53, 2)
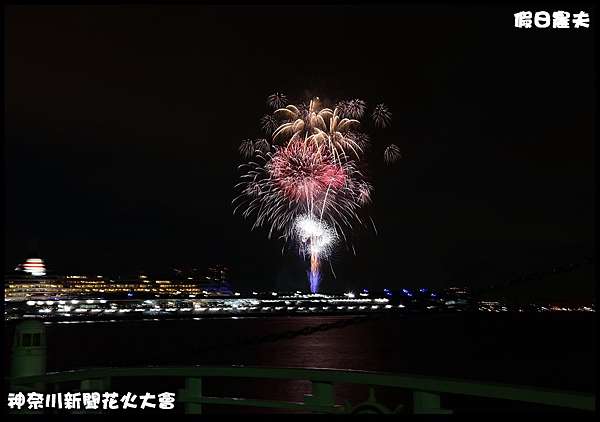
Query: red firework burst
point(305, 171)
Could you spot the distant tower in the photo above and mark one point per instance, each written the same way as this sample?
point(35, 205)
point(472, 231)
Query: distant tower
point(33, 266)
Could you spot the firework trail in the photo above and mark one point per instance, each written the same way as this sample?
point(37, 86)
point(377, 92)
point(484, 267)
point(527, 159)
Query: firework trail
point(315, 240)
point(306, 183)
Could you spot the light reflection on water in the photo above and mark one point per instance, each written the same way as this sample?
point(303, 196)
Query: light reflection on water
point(514, 348)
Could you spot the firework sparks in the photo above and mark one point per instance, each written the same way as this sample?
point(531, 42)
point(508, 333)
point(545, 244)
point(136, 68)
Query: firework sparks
point(391, 154)
point(381, 116)
point(277, 100)
point(316, 238)
point(306, 184)
point(262, 145)
point(361, 139)
point(247, 148)
point(353, 109)
point(269, 123)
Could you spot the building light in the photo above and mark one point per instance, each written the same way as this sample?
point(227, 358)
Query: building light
point(33, 266)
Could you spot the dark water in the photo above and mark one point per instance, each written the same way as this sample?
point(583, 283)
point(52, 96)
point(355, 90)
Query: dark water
point(550, 350)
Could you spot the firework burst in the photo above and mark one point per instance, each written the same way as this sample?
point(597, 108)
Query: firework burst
point(315, 237)
point(307, 183)
point(391, 154)
point(354, 109)
point(247, 148)
point(381, 116)
point(262, 145)
point(277, 100)
point(269, 124)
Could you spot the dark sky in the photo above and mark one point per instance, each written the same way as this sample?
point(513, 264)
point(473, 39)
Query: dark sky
point(122, 125)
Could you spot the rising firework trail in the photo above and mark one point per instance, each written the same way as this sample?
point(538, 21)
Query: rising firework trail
point(316, 241)
point(306, 183)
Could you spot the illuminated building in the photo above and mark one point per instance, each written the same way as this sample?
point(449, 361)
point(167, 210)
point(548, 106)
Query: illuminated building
point(25, 287)
point(31, 281)
point(33, 266)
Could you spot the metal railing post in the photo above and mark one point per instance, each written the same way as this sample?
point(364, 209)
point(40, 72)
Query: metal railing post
point(193, 390)
point(322, 397)
point(98, 385)
point(425, 402)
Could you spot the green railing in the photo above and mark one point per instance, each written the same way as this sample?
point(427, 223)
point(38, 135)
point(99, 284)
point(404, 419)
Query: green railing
point(426, 391)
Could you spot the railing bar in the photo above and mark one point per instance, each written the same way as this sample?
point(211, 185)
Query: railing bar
point(411, 382)
point(258, 403)
point(244, 402)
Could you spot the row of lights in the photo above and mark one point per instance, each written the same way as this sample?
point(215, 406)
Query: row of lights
point(67, 309)
point(62, 302)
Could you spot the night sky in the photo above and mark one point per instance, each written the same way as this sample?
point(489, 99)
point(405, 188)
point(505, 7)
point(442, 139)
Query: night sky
point(122, 125)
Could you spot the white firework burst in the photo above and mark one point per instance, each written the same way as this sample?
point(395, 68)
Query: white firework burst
point(364, 193)
point(314, 236)
point(382, 116)
point(269, 123)
point(247, 148)
point(391, 154)
point(277, 100)
point(353, 109)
